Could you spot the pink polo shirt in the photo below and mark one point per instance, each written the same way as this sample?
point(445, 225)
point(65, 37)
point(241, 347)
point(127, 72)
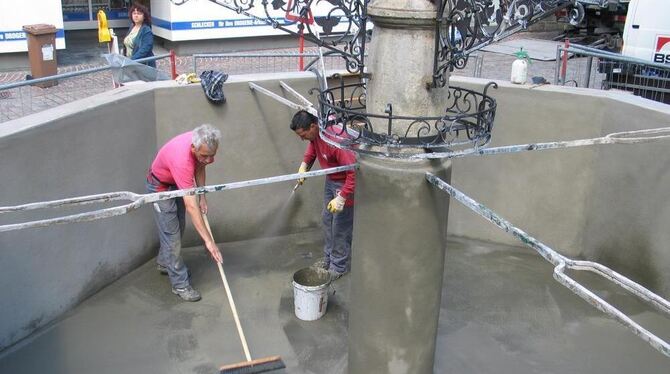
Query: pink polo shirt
point(175, 163)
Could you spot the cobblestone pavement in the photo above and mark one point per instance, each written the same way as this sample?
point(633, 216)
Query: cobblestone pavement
point(21, 101)
point(18, 102)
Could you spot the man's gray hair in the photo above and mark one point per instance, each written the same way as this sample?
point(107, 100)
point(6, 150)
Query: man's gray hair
point(206, 134)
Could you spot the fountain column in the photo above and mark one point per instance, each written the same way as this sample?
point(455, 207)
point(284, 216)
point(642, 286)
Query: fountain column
point(401, 59)
point(400, 220)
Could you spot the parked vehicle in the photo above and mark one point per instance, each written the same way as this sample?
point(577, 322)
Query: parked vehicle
point(602, 19)
point(645, 68)
point(647, 31)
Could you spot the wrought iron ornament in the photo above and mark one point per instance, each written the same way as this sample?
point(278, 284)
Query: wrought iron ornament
point(465, 26)
point(349, 44)
point(467, 123)
point(461, 27)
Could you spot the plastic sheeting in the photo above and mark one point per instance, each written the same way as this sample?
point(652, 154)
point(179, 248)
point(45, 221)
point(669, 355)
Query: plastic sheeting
point(127, 70)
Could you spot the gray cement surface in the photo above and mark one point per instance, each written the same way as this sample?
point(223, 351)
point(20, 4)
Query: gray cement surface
point(501, 313)
point(399, 265)
point(136, 325)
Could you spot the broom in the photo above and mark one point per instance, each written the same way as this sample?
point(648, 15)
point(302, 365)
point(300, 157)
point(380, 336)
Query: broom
point(249, 366)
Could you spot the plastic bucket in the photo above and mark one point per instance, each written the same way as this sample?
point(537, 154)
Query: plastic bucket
point(310, 293)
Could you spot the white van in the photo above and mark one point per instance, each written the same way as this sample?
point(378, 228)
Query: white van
point(646, 32)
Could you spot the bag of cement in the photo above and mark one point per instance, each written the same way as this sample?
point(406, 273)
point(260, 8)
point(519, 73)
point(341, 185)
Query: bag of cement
point(127, 70)
point(212, 84)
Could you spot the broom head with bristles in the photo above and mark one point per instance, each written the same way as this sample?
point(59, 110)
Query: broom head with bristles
point(260, 365)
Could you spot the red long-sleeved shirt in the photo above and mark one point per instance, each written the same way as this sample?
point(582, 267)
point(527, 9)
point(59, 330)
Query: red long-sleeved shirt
point(330, 157)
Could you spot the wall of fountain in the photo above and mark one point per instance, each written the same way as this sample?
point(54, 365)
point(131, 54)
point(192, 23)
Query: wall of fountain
point(605, 203)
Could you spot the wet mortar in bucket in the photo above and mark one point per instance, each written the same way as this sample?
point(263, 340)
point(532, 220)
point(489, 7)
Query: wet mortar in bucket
point(310, 293)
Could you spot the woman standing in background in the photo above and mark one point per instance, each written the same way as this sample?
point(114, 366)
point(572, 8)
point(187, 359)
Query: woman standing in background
point(139, 42)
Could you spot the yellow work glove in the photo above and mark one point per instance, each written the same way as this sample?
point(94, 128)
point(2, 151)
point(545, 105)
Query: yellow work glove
point(337, 204)
point(184, 79)
point(303, 169)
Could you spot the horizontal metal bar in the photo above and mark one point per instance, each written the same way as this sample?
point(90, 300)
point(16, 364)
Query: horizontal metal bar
point(624, 137)
point(141, 199)
point(586, 51)
point(295, 93)
point(152, 58)
point(651, 78)
point(91, 199)
point(72, 74)
point(562, 262)
point(241, 55)
point(309, 108)
point(605, 307)
point(544, 251)
point(622, 86)
point(53, 77)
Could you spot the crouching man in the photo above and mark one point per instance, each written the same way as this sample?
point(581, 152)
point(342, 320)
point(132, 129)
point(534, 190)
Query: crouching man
point(180, 164)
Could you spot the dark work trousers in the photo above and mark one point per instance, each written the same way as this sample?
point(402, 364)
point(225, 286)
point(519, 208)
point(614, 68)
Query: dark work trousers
point(171, 221)
point(337, 231)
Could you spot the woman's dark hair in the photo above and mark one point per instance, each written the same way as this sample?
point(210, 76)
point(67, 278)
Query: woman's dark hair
point(142, 9)
point(303, 120)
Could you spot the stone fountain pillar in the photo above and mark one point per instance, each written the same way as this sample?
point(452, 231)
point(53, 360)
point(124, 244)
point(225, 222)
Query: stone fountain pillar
point(401, 59)
point(400, 221)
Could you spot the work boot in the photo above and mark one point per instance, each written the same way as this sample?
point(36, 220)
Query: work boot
point(187, 293)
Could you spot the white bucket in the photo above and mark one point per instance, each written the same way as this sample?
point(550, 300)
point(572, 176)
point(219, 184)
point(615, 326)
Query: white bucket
point(310, 293)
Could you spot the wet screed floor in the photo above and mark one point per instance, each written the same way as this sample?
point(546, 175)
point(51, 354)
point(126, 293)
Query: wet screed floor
point(502, 312)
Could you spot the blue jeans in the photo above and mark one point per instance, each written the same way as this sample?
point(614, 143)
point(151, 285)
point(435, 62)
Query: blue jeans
point(170, 216)
point(337, 231)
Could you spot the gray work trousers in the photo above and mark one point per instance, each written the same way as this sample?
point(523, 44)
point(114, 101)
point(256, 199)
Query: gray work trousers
point(170, 217)
point(337, 231)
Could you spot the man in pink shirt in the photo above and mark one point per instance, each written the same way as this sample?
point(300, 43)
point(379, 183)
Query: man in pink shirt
point(338, 213)
point(180, 164)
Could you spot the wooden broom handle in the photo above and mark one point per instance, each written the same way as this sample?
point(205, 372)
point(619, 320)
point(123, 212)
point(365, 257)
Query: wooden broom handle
point(230, 297)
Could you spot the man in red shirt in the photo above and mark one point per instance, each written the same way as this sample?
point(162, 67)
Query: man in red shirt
point(180, 164)
point(338, 212)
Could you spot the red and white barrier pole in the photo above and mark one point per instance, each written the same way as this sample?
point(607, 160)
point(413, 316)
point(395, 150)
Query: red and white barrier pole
point(564, 63)
point(173, 64)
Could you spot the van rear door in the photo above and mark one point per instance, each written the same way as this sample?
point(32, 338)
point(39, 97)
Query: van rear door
point(647, 30)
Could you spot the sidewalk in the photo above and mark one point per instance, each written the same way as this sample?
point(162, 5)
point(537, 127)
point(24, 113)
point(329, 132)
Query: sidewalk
point(84, 53)
point(25, 100)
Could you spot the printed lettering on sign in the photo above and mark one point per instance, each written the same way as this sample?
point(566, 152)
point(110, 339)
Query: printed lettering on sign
point(202, 25)
point(662, 54)
point(16, 35)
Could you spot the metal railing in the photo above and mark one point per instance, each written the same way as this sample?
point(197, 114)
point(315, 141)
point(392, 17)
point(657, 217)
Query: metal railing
point(21, 98)
point(18, 99)
point(136, 201)
point(563, 263)
point(593, 68)
point(246, 63)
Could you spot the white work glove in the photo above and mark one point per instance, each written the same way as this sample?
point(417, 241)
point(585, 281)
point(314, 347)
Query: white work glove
point(184, 79)
point(337, 204)
point(303, 169)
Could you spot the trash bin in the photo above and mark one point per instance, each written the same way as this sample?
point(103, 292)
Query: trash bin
point(42, 52)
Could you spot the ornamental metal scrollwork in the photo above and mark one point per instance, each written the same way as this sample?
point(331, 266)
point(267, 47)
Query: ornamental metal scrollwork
point(461, 27)
point(351, 15)
point(344, 122)
point(465, 26)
